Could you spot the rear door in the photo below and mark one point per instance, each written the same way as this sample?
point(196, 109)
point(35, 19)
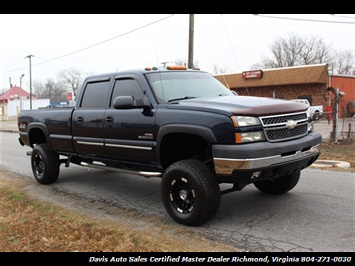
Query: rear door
point(88, 118)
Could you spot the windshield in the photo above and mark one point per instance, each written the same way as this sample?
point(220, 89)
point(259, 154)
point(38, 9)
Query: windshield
point(175, 86)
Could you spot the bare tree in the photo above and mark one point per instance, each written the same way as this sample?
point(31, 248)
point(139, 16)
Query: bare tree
point(50, 90)
point(295, 50)
point(314, 52)
point(180, 62)
point(285, 51)
point(344, 62)
point(38, 89)
point(72, 79)
point(219, 70)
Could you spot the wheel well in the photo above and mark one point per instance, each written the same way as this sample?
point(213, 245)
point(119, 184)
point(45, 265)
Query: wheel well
point(36, 136)
point(179, 146)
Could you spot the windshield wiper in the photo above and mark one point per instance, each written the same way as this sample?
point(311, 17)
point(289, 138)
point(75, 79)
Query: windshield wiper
point(179, 99)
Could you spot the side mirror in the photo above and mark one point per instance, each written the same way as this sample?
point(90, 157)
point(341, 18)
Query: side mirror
point(128, 102)
point(123, 102)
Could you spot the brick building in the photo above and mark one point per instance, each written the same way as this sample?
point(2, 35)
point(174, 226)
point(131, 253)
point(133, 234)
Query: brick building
point(346, 85)
point(286, 83)
point(308, 82)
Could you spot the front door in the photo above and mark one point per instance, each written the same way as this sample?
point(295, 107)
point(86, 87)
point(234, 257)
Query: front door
point(129, 134)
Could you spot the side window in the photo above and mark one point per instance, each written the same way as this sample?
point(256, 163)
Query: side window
point(95, 94)
point(127, 87)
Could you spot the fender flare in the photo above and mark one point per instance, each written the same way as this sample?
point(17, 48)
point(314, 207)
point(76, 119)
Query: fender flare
point(202, 131)
point(43, 128)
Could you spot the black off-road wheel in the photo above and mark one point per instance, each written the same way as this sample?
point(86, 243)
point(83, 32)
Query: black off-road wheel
point(45, 164)
point(190, 192)
point(280, 185)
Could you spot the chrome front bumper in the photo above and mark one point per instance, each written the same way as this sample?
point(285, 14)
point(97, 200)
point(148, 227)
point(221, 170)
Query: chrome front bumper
point(261, 155)
point(226, 166)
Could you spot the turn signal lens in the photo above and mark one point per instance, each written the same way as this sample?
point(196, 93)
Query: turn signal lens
point(249, 137)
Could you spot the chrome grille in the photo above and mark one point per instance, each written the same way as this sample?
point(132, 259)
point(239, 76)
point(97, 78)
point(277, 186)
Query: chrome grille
point(274, 120)
point(285, 127)
point(285, 133)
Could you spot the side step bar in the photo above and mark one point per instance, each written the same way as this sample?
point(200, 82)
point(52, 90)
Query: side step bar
point(124, 171)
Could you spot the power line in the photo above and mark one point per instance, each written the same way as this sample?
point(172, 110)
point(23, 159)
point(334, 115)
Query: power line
point(342, 16)
point(88, 47)
point(309, 20)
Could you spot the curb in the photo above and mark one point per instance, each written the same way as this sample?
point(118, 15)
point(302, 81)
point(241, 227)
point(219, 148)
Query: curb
point(5, 129)
point(9, 130)
point(330, 164)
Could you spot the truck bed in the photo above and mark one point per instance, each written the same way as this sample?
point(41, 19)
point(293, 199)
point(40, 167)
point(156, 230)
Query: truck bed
point(57, 122)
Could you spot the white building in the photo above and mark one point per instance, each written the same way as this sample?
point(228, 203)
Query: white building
point(16, 99)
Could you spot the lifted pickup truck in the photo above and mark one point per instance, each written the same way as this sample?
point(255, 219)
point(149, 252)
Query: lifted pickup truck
point(180, 125)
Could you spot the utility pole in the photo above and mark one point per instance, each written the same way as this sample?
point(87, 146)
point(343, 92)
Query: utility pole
point(29, 57)
point(21, 91)
point(190, 63)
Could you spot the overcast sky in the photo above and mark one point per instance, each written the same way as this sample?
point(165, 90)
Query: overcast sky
point(94, 43)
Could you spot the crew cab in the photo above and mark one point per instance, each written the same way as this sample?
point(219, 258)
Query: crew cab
point(180, 125)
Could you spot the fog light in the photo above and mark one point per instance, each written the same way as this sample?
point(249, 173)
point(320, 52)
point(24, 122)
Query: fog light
point(255, 175)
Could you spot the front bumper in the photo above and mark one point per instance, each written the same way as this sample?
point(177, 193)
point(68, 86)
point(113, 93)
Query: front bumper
point(264, 160)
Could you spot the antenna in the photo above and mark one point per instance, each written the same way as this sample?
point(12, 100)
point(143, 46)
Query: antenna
point(156, 54)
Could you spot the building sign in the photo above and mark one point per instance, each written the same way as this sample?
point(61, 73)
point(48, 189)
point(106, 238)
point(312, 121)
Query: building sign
point(252, 74)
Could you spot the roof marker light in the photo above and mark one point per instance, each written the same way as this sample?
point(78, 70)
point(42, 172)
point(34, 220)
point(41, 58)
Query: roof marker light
point(176, 67)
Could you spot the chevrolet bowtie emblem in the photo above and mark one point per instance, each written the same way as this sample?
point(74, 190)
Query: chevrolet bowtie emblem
point(291, 124)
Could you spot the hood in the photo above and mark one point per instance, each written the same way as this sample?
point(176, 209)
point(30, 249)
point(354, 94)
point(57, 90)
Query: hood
point(240, 105)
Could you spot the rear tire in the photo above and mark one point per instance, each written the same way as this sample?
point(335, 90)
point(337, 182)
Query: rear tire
point(45, 164)
point(280, 185)
point(190, 192)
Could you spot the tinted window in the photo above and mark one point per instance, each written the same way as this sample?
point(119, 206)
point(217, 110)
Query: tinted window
point(95, 94)
point(127, 87)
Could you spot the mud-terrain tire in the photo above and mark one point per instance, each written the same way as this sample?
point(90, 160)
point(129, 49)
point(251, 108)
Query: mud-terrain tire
point(190, 192)
point(45, 164)
point(280, 185)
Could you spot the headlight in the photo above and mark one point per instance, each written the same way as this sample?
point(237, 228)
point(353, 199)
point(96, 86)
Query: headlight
point(245, 134)
point(242, 121)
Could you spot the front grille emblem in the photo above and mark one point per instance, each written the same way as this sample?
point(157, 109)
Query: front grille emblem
point(291, 124)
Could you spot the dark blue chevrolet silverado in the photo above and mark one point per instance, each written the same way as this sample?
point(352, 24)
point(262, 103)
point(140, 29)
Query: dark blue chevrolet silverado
point(180, 125)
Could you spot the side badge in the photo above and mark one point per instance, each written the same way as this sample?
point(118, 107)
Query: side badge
point(146, 136)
